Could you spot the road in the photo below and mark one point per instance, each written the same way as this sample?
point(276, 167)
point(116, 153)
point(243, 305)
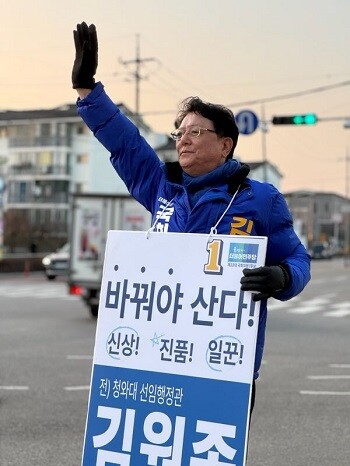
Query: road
point(303, 395)
point(46, 342)
point(302, 408)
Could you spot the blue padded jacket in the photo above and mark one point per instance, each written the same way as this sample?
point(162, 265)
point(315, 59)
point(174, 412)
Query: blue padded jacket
point(257, 209)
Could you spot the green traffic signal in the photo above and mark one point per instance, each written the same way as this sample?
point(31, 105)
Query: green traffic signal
point(298, 119)
point(305, 119)
point(308, 119)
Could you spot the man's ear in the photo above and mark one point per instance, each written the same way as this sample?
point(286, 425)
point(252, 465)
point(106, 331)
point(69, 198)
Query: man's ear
point(227, 145)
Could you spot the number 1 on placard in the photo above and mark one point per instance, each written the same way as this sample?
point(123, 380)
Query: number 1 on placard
point(214, 248)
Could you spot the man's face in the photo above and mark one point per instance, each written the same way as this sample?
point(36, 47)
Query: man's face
point(200, 155)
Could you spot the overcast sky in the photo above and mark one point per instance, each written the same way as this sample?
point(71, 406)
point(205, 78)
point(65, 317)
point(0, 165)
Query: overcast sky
point(225, 51)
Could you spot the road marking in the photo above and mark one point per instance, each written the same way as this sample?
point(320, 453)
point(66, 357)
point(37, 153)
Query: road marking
point(344, 305)
point(310, 392)
point(77, 388)
point(306, 309)
point(340, 310)
point(13, 387)
point(35, 290)
point(79, 356)
point(316, 305)
point(340, 366)
point(312, 305)
point(338, 313)
point(328, 377)
point(276, 305)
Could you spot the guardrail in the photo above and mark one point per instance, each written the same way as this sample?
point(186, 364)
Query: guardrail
point(21, 262)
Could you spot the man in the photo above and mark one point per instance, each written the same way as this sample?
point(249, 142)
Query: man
point(206, 190)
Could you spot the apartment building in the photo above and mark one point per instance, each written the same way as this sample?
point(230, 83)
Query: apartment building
point(45, 156)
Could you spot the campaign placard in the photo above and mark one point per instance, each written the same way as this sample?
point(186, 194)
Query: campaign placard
point(174, 351)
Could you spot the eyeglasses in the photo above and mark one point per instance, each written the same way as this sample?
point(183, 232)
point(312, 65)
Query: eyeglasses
point(192, 131)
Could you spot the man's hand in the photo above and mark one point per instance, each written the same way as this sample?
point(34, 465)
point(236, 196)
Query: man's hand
point(86, 56)
point(266, 280)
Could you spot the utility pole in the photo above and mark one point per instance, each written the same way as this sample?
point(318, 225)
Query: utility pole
point(137, 61)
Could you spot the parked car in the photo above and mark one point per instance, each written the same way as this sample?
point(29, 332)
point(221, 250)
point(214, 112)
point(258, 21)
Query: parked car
point(321, 250)
point(57, 263)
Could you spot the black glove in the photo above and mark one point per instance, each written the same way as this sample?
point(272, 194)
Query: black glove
point(85, 63)
point(266, 280)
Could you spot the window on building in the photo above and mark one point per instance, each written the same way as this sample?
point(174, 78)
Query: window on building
point(62, 129)
point(45, 129)
point(23, 160)
point(22, 191)
point(80, 187)
point(82, 129)
point(21, 131)
point(82, 158)
point(44, 160)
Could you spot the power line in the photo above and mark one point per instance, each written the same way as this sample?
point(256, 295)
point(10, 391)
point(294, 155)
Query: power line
point(270, 99)
point(292, 95)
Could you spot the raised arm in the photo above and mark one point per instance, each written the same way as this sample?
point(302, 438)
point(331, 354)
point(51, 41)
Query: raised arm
point(86, 59)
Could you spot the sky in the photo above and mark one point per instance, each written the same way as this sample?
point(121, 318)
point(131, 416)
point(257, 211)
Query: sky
point(271, 57)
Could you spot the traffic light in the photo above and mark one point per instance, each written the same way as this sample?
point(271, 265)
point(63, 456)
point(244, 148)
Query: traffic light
point(306, 119)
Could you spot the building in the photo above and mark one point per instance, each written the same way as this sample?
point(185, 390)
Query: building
point(265, 171)
point(45, 156)
point(321, 216)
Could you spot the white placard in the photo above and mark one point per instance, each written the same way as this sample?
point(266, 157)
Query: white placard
point(174, 352)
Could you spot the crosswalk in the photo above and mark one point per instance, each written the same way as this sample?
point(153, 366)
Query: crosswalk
point(324, 305)
point(327, 304)
point(43, 290)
